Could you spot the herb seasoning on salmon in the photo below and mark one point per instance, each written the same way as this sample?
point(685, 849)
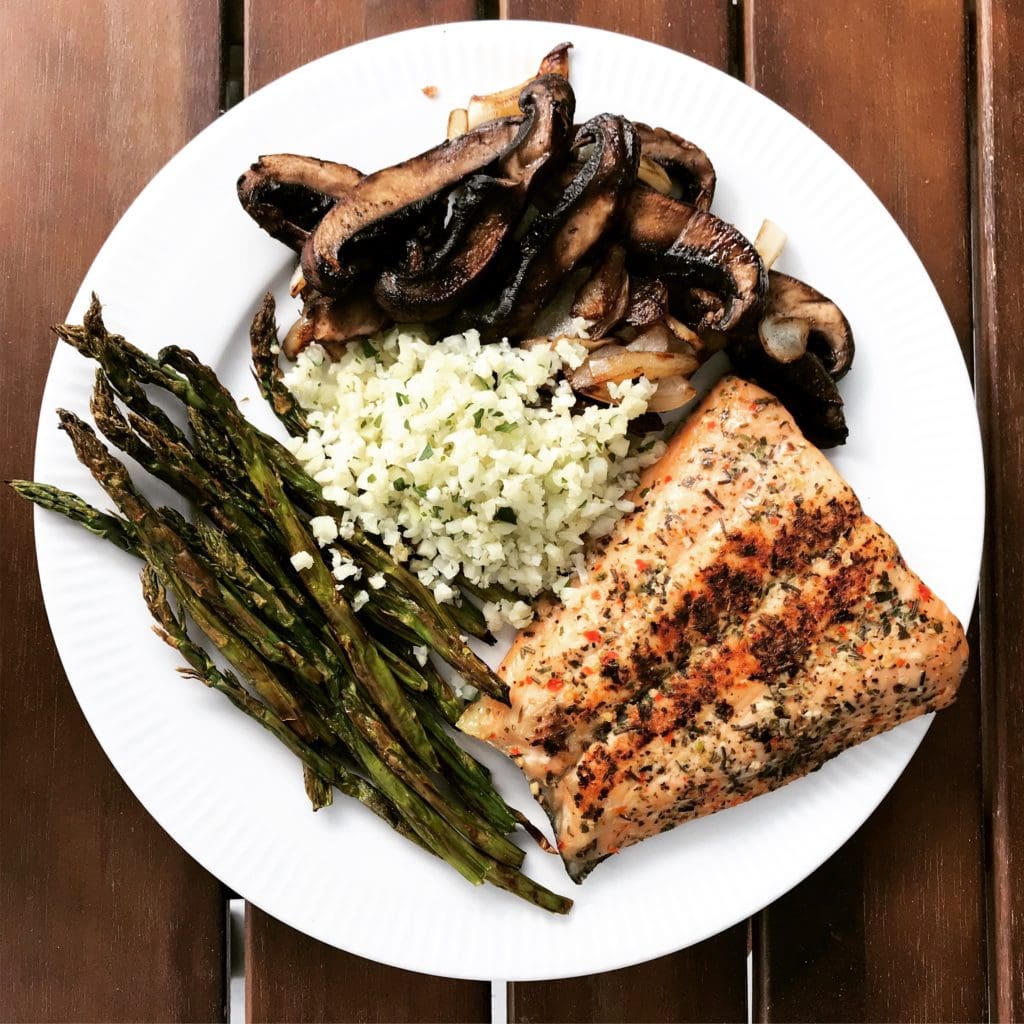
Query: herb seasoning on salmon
point(745, 623)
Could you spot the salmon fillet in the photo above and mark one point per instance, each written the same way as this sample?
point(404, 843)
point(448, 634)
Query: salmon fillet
point(745, 623)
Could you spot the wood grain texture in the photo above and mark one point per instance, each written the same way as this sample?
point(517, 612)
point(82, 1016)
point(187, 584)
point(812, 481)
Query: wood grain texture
point(699, 28)
point(706, 982)
point(104, 917)
point(999, 363)
point(281, 36)
point(892, 928)
point(291, 977)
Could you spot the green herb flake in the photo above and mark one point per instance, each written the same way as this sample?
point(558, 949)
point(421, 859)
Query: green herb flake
point(401, 399)
point(426, 453)
point(504, 428)
point(400, 484)
point(478, 417)
point(368, 350)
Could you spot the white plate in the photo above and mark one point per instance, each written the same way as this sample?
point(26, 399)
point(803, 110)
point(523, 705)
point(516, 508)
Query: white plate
point(186, 265)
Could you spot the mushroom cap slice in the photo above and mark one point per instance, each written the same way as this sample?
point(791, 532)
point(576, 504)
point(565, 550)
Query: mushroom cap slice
point(693, 249)
point(333, 256)
point(604, 297)
point(287, 195)
point(804, 387)
point(485, 211)
point(560, 237)
point(829, 336)
point(332, 322)
point(687, 164)
point(648, 302)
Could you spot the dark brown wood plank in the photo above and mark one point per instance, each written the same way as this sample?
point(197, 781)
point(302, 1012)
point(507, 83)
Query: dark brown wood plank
point(291, 977)
point(700, 28)
point(281, 36)
point(706, 982)
point(892, 928)
point(104, 917)
point(999, 363)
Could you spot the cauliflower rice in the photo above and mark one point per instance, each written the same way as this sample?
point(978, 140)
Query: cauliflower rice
point(450, 452)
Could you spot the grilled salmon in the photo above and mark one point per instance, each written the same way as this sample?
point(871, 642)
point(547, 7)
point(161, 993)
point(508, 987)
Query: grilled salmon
point(745, 623)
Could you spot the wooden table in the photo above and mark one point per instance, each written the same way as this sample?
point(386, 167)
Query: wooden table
point(919, 917)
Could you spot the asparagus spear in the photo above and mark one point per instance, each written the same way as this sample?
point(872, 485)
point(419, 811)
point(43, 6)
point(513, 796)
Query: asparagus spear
point(219, 617)
point(263, 342)
point(172, 632)
point(369, 668)
point(123, 363)
point(449, 842)
point(112, 528)
point(163, 548)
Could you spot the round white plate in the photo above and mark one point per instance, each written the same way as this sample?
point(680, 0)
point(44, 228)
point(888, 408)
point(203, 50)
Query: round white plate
point(186, 265)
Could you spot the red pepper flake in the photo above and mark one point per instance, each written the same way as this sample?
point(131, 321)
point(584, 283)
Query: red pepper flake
point(529, 680)
point(596, 595)
point(588, 670)
point(593, 635)
point(597, 567)
point(642, 564)
point(774, 520)
point(668, 479)
point(613, 849)
point(514, 751)
point(620, 810)
point(554, 683)
point(659, 696)
point(860, 649)
point(561, 844)
point(924, 592)
point(608, 656)
point(842, 631)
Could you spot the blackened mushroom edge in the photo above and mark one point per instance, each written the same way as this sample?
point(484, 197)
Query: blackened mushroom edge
point(288, 195)
point(486, 211)
point(687, 164)
point(561, 237)
point(830, 337)
point(692, 249)
point(331, 258)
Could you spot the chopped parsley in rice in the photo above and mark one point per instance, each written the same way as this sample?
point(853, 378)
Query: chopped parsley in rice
point(470, 458)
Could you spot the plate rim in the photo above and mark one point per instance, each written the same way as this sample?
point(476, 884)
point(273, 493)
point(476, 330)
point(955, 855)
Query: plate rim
point(552, 29)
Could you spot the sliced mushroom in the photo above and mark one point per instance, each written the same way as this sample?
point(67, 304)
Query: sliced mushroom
point(829, 336)
point(485, 211)
point(561, 237)
point(604, 297)
point(332, 322)
point(287, 195)
point(648, 302)
point(699, 256)
point(335, 252)
point(686, 164)
point(505, 102)
point(804, 387)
